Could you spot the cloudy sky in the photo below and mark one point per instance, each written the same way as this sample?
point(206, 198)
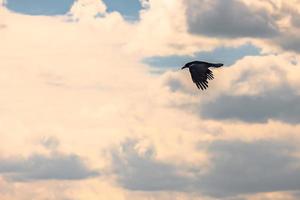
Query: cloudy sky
point(94, 104)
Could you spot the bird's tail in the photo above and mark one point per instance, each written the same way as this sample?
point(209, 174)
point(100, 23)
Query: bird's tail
point(217, 65)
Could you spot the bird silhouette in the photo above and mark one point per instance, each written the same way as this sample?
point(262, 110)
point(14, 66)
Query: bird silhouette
point(200, 72)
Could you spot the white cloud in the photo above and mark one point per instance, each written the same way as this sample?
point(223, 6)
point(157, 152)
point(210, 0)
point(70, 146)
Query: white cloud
point(87, 9)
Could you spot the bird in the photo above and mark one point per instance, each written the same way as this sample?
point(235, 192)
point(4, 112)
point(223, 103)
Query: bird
point(200, 72)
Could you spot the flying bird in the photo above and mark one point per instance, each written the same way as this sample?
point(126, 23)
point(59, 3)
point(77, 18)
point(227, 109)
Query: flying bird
point(200, 72)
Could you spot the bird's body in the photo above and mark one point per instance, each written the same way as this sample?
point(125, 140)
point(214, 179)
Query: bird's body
point(200, 72)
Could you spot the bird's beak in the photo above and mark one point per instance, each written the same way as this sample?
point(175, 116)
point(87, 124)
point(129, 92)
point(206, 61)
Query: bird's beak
point(183, 67)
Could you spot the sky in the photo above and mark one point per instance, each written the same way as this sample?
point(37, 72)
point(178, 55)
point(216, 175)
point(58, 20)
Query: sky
point(94, 104)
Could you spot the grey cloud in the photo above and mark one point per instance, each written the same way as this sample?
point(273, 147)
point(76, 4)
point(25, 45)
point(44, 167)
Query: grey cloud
point(237, 168)
point(50, 142)
point(296, 194)
point(234, 19)
point(229, 19)
point(279, 104)
point(251, 167)
point(295, 18)
point(40, 167)
point(143, 172)
point(288, 41)
point(174, 84)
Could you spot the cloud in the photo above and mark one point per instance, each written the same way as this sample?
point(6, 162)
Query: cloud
point(237, 168)
point(271, 196)
point(83, 82)
point(251, 167)
point(87, 9)
point(229, 19)
point(277, 104)
point(270, 24)
point(289, 41)
point(142, 172)
point(296, 194)
point(295, 19)
point(50, 142)
point(256, 89)
point(41, 167)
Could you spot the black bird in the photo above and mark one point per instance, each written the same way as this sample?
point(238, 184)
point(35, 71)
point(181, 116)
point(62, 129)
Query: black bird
point(200, 72)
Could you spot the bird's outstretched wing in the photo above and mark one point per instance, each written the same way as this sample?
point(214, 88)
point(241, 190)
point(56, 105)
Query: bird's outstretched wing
point(200, 76)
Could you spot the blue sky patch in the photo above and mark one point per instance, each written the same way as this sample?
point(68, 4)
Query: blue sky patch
point(226, 55)
point(129, 9)
point(40, 7)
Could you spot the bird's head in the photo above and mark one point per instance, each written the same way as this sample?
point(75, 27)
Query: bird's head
point(185, 66)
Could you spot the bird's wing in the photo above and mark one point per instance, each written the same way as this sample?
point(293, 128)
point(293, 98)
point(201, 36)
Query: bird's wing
point(200, 76)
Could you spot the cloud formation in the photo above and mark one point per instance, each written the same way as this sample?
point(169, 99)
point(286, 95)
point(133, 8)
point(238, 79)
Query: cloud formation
point(289, 41)
point(229, 19)
point(51, 142)
point(80, 78)
point(137, 171)
point(41, 167)
point(251, 167)
point(278, 104)
point(237, 168)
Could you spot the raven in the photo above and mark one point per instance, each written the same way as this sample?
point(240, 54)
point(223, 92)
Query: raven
point(200, 72)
